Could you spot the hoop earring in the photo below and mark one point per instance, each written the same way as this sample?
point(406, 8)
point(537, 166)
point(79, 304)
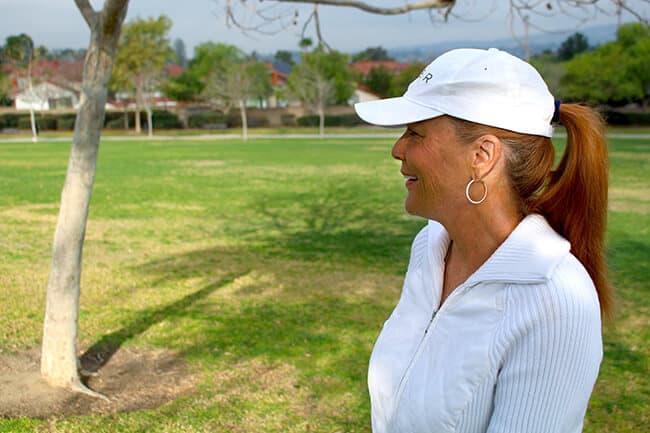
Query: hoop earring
point(482, 199)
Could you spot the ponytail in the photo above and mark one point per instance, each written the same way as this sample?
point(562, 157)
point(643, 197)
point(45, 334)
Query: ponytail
point(575, 199)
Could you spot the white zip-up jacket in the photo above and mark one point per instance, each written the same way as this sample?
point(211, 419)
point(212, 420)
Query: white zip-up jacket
point(514, 349)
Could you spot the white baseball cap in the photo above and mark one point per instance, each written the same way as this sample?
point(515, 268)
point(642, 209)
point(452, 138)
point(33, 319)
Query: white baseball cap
point(490, 87)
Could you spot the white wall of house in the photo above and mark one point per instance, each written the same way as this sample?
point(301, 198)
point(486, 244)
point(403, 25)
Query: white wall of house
point(361, 95)
point(46, 96)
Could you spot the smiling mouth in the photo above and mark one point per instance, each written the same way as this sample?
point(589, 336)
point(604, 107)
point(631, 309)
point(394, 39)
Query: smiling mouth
point(409, 180)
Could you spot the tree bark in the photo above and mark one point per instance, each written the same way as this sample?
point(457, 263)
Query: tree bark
point(149, 121)
point(59, 362)
point(138, 127)
point(321, 122)
point(244, 120)
point(32, 119)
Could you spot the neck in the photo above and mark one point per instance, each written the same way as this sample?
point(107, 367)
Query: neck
point(476, 235)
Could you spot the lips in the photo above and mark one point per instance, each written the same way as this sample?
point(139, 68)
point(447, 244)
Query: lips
point(409, 178)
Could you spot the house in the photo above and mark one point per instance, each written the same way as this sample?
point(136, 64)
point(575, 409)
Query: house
point(365, 66)
point(55, 84)
point(46, 96)
point(363, 94)
point(279, 75)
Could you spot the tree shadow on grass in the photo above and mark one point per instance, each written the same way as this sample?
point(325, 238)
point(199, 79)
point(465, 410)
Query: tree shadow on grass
point(326, 339)
point(335, 223)
point(97, 355)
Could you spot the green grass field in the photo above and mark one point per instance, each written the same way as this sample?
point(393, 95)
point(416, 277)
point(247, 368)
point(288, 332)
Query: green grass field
point(271, 266)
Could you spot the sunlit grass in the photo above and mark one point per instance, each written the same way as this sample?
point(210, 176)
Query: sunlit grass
point(270, 265)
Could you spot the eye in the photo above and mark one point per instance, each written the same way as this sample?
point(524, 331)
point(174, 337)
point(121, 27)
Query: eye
point(412, 133)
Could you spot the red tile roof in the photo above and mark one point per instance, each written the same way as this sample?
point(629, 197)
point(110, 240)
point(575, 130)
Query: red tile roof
point(365, 66)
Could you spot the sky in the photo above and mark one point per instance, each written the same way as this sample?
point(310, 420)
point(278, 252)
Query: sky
point(58, 24)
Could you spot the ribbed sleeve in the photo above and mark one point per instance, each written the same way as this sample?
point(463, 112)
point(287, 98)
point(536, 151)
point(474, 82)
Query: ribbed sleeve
point(550, 349)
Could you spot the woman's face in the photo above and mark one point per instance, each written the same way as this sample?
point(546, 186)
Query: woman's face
point(436, 167)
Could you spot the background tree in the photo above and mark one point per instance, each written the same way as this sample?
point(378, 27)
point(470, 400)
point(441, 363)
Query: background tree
point(321, 78)
point(66, 54)
point(380, 81)
point(19, 51)
point(59, 363)
point(190, 84)
point(333, 66)
point(185, 87)
point(5, 89)
point(179, 50)
point(635, 38)
point(402, 80)
point(614, 73)
point(575, 44)
point(232, 79)
point(629, 34)
point(284, 56)
point(373, 54)
point(144, 49)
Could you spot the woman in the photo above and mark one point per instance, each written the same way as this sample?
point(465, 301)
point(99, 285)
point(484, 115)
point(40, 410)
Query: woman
point(498, 326)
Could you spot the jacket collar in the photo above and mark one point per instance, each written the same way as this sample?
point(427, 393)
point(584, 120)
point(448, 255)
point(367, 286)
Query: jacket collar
point(529, 254)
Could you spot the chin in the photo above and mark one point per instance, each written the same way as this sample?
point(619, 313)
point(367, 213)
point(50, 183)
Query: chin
point(411, 209)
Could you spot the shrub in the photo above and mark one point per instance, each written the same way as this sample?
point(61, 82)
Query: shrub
point(288, 120)
point(46, 122)
point(331, 120)
point(619, 118)
point(234, 120)
point(65, 122)
point(310, 120)
point(24, 123)
point(10, 120)
point(115, 123)
point(205, 119)
point(165, 120)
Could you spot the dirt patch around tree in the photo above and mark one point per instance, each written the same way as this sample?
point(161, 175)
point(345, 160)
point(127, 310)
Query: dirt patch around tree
point(132, 379)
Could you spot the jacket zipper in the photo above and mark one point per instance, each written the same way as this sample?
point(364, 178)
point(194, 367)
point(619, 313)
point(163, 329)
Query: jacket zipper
point(402, 384)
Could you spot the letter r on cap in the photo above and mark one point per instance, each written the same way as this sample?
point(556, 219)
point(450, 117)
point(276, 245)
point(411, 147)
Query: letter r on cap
point(427, 77)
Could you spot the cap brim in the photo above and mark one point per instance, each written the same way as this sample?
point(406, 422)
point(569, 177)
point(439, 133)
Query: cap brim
point(397, 111)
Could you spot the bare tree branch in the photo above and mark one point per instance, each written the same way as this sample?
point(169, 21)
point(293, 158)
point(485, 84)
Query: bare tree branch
point(321, 40)
point(87, 12)
point(273, 16)
point(408, 7)
point(634, 13)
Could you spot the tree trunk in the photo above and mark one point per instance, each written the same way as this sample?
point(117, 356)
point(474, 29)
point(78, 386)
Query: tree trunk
point(149, 121)
point(321, 122)
point(138, 128)
point(244, 120)
point(59, 351)
point(126, 118)
point(32, 121)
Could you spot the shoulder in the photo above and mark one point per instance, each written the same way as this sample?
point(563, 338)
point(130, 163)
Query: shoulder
point(570, 286)
point(565, 303)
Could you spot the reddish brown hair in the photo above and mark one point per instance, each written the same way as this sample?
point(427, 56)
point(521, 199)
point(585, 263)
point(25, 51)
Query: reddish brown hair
point(573, 197)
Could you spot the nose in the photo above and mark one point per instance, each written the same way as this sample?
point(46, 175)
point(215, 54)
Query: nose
point(398, 148)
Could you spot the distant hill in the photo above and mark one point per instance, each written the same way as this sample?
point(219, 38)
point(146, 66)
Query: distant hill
point(539, 42)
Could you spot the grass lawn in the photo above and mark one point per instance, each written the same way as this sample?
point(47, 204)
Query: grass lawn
point(271, 266)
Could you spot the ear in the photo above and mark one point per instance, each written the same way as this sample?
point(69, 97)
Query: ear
point(486, 153)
